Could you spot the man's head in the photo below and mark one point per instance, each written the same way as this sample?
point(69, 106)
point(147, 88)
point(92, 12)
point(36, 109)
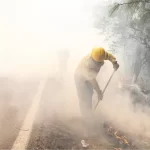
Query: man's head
point(98, 54)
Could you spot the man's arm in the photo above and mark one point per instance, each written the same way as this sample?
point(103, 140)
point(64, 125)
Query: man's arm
point(112, 59)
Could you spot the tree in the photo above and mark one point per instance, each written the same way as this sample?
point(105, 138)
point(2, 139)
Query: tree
point(138, 22)
point(114, 29)
point(129, 20)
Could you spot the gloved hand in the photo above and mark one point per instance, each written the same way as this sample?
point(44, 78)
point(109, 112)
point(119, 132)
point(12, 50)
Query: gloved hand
point(115, 66)
point(100, 95)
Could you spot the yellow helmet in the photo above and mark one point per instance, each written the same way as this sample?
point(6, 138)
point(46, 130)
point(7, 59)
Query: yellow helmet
point(98, 54)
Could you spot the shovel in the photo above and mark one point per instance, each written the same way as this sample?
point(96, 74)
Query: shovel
point(105, 88)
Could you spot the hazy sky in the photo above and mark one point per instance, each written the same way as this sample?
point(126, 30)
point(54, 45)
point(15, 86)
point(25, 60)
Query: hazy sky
point(32, 30)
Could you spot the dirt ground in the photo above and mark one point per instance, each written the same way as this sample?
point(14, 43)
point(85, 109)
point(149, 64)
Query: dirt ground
point(52, 131)
point(60, 134)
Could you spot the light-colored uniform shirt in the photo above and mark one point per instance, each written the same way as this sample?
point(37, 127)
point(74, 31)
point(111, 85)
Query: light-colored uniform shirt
point(88, 69)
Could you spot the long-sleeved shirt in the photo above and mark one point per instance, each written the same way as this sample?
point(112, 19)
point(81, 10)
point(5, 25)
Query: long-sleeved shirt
point(88, 69)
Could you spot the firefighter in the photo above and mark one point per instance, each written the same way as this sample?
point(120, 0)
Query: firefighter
point(85, 78)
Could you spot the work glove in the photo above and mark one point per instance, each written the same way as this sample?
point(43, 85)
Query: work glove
point(115, 66)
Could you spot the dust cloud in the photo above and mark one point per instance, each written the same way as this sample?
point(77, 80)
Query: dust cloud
point(33, 34)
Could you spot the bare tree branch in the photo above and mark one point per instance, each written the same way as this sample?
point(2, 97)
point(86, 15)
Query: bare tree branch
point(117, 5)
point(114, 9)
point(145, 1)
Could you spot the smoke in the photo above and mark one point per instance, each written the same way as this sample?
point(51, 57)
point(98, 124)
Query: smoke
point(33, 33)
point(119, 109)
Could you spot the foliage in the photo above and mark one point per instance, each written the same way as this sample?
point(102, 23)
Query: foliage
point(129, 21)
